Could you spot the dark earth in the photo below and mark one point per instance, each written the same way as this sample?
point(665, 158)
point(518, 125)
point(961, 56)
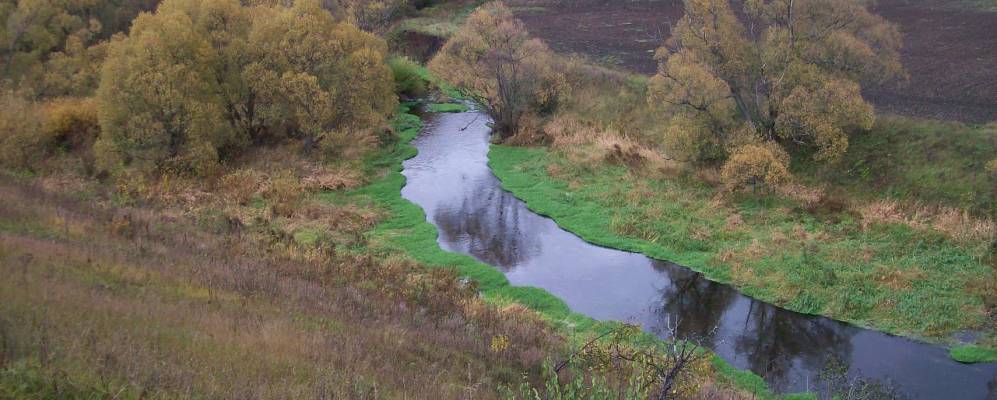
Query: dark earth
point(950, 47)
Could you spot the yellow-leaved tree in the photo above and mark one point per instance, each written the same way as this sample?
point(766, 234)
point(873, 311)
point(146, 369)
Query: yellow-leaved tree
point(53, 47)
point(493, 58)
point(200, 79)
point(787, 70)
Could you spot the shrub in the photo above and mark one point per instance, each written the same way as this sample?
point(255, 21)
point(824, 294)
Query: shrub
point(284, 192)
point(240, 186)
point(22, 141)
point(72, 123)
point(756, 165)
point(408, 80)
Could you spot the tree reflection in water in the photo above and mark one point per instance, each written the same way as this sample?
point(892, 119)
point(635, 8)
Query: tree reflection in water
point(487, 223)
point(780, 345)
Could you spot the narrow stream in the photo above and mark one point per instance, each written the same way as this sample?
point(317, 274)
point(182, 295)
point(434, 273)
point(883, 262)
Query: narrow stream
point(451, 181)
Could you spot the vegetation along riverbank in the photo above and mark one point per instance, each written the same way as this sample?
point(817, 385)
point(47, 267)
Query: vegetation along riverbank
point(815, 204)
point(201, 198)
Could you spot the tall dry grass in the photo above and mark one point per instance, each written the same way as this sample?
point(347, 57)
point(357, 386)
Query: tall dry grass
point(149, 302)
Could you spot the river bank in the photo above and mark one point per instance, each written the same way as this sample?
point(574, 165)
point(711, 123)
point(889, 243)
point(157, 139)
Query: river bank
point(883, 275)
point(407, 231)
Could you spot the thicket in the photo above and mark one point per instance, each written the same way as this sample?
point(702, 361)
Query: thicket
point(55, 47)
point(199, 80)
point(783, 71)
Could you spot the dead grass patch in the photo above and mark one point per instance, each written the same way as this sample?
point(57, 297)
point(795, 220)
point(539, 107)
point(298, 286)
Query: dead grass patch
point(957, 224)
point(149, 298)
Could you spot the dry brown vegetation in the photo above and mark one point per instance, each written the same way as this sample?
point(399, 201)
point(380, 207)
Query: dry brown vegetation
point(171, 303)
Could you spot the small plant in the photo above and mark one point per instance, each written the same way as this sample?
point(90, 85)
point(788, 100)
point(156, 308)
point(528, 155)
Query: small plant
point(499, 343)
point(284, 192)
point(671, 370)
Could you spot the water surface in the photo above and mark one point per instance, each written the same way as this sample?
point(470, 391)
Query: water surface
point(451, 181)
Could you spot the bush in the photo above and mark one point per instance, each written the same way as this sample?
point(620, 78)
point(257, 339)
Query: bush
point(32, 131)
point(408, 79)
point(22, 140)
point(284, 191)
point(240, 186)
point(72, 123)
point(756, 165)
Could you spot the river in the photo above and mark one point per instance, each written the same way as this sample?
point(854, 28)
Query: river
point(450, 179)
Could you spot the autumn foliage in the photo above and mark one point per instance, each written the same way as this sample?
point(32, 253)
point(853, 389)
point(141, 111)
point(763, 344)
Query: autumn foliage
point(787, 70)
point(755, 166)
point(55, 47)
point(493, 58)
point(199, 80)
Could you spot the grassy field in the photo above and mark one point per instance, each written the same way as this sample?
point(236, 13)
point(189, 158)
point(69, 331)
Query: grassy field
point(924, 161)
point(812, 258)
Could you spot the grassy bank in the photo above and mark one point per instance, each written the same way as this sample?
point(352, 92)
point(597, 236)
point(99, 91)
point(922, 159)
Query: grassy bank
point(406, 231)
point(916, 161)
point(238, 287)
point(876, 273)
point(141, 303)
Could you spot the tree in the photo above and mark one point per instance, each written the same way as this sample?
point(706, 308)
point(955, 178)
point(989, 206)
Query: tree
point(311, 75)
point(160, 96)
point(45, 44)
point(788, 70)
point(493, 58)
point(199, 80)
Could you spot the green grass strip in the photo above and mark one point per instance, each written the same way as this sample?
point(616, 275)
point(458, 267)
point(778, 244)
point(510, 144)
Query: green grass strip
point(973, 354)
point(446, 108)
point(406, 231)
point(589, 209)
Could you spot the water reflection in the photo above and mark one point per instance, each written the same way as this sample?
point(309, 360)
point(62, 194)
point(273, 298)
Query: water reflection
point(697, 303)
point(777, 342)
point(451, 181)
point(487, 222)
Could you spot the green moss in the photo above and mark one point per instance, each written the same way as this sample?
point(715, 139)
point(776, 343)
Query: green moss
point(446, 108)
point(886, 275)
point(973, 354)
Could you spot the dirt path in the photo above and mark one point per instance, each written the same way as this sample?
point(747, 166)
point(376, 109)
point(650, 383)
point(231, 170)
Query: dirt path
point(950, 50)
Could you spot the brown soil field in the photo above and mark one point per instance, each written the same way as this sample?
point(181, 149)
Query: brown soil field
point(950, 48)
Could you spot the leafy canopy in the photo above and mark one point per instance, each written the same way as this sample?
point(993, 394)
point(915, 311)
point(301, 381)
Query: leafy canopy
point(493, 58)
point(54, 47)
point(787, 71)
point(198, 80)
